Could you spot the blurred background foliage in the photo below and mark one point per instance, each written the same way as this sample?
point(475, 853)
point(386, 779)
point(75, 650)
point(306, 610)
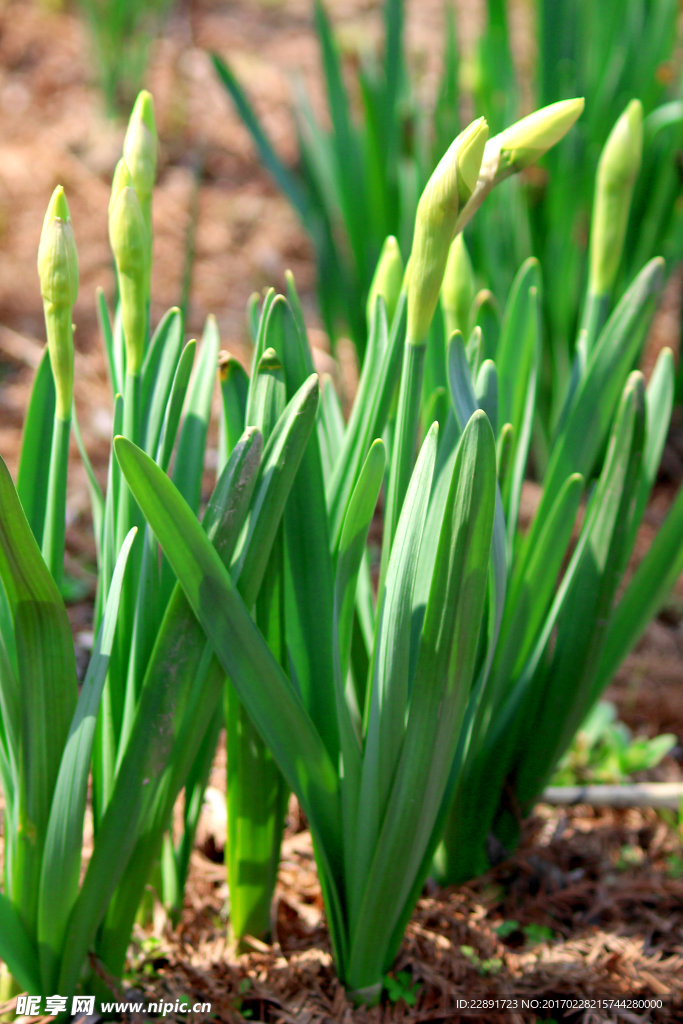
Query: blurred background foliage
point(359, 179)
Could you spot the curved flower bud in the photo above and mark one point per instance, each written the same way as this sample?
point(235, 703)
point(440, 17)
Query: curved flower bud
point(617, 172)
point(387, 279)
point(128, 238)
point(58, 273)
point(458, 288)
point(517, 147)
point(451, 184)
point(527, 140)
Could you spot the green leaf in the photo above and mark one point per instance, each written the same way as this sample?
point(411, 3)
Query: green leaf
point(645, 594)
point(256, 793)
point(441, 688)
point(486, 392)
point(345, 142)
point(486, 315)
point(393, 666)
point(268, 393)
point(158, 372)
point(234, 389)
point(587, 421)
point(381, 370)
point(17, 950)
point(281, 459)
point(154, 763)
point(189, 462)
point(351, 550)
point(64, 839)
point(36, 442)
point(331, 427)
point(519, 355)
point(565, 689)
point(531, 591)
point(308, 559)
point(46, 675)
point(659, 398)
point(174, 408)
point(268, 695)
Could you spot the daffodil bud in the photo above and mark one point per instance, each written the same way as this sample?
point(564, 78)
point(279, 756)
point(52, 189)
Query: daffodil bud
point(617, 172)
point(517, 147)
point(451, 185)
point(458, 289)
point(527, 140)
point(122, 179)
point(128, 238)
point(387, 280)
point(140, 151)
point(58, 273)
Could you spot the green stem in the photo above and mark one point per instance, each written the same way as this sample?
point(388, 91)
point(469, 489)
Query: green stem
point(126, 512)
point(127, 516)
point(404, 443)
point(55, 513)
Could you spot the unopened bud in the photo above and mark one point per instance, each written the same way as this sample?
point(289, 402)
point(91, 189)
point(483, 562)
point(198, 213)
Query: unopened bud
point(458, 290)
point(387, 279)
point(450, 185)
point(617, 172)
point(517, 147)
point(57, 256)
point(128, 238)
point(58, 273)
point(470, 154)
point(140, 148)
point(527, 140)
point(122, 179)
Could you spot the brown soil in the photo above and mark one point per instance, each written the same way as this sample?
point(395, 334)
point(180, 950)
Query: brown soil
point(604, 888)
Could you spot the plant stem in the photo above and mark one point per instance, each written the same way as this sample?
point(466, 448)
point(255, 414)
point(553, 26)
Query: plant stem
point(127, 515)
point(55, 513)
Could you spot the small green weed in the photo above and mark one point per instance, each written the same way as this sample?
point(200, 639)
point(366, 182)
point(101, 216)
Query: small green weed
point(401, 986)
point(484, 967)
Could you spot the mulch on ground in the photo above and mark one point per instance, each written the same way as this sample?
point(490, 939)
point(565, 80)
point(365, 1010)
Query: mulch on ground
point(589, 908)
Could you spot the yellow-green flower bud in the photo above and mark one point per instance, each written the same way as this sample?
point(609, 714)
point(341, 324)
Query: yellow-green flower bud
point(140, 149)
point(122, 179)
point(128, 238)
point(527, 140)
point(470, 154)
point(617, 172)
point(450, 185)
point(517, 147)
point(458, 289)
point(58, 273)
point(387, 280)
